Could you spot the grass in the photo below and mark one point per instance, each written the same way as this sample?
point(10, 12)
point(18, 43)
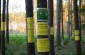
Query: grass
point(17, 46)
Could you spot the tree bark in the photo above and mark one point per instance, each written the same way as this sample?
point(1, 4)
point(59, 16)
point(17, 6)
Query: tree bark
point(69, 17)
point(80, 19)
point(3, 29)
point(0, 24)
point(7, 21)
point(30, 27)
point(51, 28)
point(62, 21)
point(59, 4)
point(77, 33)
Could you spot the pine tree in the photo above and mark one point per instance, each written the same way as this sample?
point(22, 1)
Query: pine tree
point(30, 28)
point(3, 29)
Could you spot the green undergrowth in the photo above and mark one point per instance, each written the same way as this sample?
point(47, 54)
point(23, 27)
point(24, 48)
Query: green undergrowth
point(17, 45)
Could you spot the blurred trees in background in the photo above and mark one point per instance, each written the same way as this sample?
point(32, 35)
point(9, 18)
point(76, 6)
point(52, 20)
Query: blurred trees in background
point(17, 22)
point(17, 19)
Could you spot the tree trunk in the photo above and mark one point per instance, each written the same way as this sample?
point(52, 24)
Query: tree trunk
point(77, 33)
point(80, 19)
point(69, 17)
point(30, 28)
point(59, 4)
point(71, 20)
point(51, 28)
point(0, 24)
point(7, 22)
point(3, 29)
point(43, 45)
point(62, 21)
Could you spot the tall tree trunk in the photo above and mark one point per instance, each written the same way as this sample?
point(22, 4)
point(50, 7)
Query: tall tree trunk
point(62, 21)
point(43, 45)
point(80, 19)
point(77, 33)
point(30, 28)
point(7, 21)
point(69, 17)
point(3, 29)
point(71, 20)
point(59, 4)
point(0, 24)
point(51, 28)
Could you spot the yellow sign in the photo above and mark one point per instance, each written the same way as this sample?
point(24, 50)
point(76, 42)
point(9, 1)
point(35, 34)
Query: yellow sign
point(51, 31)
point(30, 20)
point(30, 39)
point(30, 36)
point(30, 23)
point(2, 26)
point(42, 28)
point(43, 45)
point(76, 32)
point(30, 26)
point(30, 32)
point(77, 38)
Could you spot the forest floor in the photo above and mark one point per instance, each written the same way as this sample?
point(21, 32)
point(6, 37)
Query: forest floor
point(17, 46)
